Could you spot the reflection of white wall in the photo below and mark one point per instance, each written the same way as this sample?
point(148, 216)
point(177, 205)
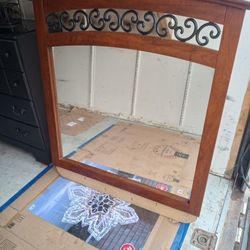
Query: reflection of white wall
point(123, 82)
point(114, 71)
point(197, 95)
point(72, 65)
point(161, 89)
point(144, 86)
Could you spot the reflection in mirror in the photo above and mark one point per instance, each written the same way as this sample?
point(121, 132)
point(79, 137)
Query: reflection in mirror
point(135, 114)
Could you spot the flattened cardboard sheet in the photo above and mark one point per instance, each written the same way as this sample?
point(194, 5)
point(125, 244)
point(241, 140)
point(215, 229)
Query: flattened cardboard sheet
point(153, 156)
point(74, 122)
point(24, 230)
point(9, 241)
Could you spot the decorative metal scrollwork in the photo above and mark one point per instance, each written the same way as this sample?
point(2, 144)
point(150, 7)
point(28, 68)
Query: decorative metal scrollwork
point(148, 23)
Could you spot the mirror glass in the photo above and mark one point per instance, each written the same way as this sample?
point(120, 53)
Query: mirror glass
point(135, 114)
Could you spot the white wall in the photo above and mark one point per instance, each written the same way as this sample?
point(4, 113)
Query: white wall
point(152, 88)
point(238, 86)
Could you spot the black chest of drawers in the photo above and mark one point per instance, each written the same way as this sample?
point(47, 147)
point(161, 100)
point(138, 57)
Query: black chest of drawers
point(22, 117)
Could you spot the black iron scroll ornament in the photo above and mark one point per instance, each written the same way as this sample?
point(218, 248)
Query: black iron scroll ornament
point(148, 23)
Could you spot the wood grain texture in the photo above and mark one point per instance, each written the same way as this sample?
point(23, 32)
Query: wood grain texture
point(126, 184)
point(198, 9)
point(172, 48)
point(49, 85)
point(229, 43)
point(242, 4)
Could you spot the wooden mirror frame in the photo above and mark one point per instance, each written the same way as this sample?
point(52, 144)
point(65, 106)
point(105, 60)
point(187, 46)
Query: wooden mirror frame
point(228, 13)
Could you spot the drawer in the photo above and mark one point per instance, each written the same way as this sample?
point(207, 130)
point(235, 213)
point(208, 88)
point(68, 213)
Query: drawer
point(9, 55)
point(17, 109)
point(21, 132)
point(3, 83)
point(17, 83)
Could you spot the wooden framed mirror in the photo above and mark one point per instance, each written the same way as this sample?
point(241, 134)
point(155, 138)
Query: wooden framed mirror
point(179, 29)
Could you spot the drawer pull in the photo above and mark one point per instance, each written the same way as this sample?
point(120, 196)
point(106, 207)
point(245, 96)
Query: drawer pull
point(22, 133)
point(6, 54)
point(18, 111)
point(15, 84)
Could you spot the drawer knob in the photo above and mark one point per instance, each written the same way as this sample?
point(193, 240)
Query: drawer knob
point(6, 54)
point(18, 111)
point(22, 111)
point(25, 133)
point(18, 130)
point(15, 84)
point(22, 133)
